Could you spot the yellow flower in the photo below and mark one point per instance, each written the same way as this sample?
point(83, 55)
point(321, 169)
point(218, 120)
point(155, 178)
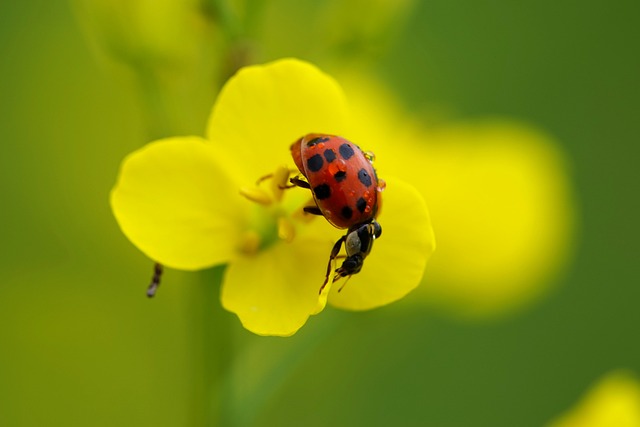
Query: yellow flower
point(614, 401)
point(184, 202)
point(144, 31)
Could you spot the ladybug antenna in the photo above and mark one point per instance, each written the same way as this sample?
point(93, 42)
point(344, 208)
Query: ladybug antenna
point(155, 280)
point(345, 283)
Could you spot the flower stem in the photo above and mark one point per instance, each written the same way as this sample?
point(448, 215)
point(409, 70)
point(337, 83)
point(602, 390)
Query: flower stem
point(264, 365)
point(159, 117)
point(213, 351)
point(237, 28)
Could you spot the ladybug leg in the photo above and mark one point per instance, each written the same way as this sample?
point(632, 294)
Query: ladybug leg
point(313, 210)
point(293, 182)
point(334, 254)
point(296, 181)
point(155, 280)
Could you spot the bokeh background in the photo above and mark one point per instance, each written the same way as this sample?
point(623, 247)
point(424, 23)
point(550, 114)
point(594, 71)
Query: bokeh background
point(81, 345)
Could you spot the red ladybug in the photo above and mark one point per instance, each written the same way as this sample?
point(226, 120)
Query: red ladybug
point(347, 193)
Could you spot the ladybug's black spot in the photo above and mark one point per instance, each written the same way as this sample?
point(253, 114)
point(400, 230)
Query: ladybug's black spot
point(340, 176)
point(329, 155)
point(347, 212)
point(346, 151)
point(314, 164)
point(364, 177)
point(361, 204)
point(322, 191)
point(317, 140)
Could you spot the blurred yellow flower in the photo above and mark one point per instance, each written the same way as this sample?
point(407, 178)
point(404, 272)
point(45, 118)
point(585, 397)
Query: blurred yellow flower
point(179, 201)
point(144, 31)
point(504, 204)
point(613, 402)
point(171, 48)
point(499, 193)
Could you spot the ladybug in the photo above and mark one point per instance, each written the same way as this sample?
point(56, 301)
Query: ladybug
point(347, 192)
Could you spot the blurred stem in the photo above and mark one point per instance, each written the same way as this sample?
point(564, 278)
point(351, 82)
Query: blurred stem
point(213, 348)
point(225, 18)
point(278, 361)
point(236, 30)
point(159, 118)
point(237, 380)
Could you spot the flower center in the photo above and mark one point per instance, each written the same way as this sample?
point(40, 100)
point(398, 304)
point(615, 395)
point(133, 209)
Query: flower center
point(274, 217)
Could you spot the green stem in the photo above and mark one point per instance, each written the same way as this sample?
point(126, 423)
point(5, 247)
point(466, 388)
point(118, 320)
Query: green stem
point(278, 361)
point(159, 118)
point(232, 390)
point(221, 12)
point(213, 349)
point(236, 30)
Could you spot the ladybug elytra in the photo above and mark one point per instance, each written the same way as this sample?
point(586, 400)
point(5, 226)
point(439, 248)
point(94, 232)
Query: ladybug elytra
point(347, 192)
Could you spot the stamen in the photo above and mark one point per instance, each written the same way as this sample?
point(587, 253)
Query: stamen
point(286, 229)
point(279, 182)
point(250, 242)
point(257, 194)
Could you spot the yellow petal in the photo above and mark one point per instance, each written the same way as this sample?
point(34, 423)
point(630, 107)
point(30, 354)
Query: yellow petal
point(263, 109)
point(275, 291)
point(398, 259)
point(614, 401)
point(177, 204)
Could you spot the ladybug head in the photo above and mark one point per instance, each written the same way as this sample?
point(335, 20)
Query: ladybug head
point(358, 244)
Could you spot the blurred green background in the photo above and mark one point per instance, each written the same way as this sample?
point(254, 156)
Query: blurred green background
point(81, 345)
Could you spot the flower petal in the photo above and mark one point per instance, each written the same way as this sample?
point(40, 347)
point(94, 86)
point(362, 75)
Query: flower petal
point(398, 259)
point(275, 291)
point(263, 109)
point(175, 201)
